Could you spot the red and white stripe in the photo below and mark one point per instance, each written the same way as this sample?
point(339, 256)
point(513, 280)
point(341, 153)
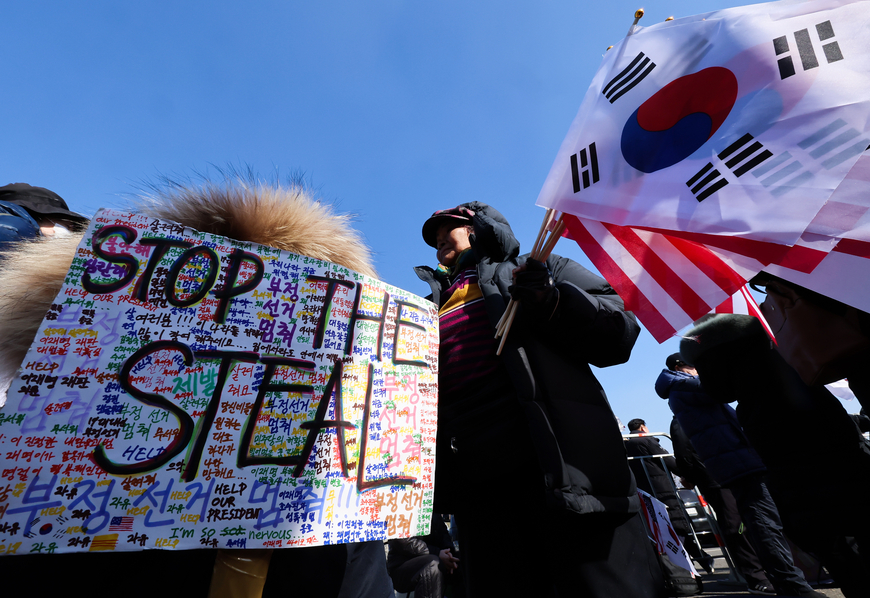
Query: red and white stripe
point(668, 282)
point(742, 302)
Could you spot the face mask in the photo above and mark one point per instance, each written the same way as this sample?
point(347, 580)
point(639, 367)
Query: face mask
point(61, 231)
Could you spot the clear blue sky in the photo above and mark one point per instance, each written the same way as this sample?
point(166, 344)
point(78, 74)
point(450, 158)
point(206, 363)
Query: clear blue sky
point(392, 109)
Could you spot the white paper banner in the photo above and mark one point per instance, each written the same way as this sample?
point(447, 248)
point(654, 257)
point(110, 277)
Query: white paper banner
point(186, 390)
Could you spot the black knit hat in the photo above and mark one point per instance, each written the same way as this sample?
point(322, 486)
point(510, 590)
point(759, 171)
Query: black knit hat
point(39, 202)
point(673, 361)
point(719, 331)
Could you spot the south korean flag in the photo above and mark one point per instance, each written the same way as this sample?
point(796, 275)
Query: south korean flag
point(739, 122)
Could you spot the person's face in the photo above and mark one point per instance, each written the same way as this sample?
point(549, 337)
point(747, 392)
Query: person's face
point(687, 369)
point(450, 241)
point(51, 228)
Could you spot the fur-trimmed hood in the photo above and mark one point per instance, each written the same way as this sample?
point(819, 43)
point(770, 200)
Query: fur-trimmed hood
point(288, 218)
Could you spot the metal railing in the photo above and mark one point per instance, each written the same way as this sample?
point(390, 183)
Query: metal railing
point(734, 574)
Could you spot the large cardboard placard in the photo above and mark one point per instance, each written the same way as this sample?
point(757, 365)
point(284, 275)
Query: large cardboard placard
point(187, 390)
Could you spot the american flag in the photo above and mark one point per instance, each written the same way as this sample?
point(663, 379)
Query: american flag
point(742, 302)
point(666, 281)
point(121, 524)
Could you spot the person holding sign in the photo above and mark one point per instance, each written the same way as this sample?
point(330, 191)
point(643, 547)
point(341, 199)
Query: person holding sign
point(529, 454)
point(71, 523)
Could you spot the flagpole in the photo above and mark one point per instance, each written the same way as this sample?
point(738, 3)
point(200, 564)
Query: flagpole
point(502, 323)
point(638, 15)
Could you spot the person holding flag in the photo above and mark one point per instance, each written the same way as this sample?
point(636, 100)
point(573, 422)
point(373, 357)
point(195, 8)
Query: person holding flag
point(530, 456)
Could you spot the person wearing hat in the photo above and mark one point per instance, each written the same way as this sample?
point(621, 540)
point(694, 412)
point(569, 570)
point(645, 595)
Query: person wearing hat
point(653, 467)
point(814, 453)
point(46, 208)
point(716, 433)
point(15, 224)
point(530, 456)
point(694, 473)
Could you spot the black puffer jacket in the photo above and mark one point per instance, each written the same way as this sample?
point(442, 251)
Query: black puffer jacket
point(574, 431)
point(654, 479)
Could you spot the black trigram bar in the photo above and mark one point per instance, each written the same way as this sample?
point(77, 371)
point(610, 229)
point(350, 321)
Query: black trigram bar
point(703, 181)
point(804, 44)
point(742, 156)
point(588, 162)
point(630, 76)
point(786, 65)
point(834, 148)
point(832, 49)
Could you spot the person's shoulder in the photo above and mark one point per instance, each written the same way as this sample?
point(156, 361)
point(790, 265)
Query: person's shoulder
point(643, 442)
point(666, 376)
point(566, 269)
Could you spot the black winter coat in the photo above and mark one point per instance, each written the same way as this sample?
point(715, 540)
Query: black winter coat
point(689, 463)
point(574, 432)
point(405, 549)
point(653, 479)
point(814, 453)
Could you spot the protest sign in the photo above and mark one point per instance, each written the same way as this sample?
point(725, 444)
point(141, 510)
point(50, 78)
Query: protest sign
point(186, 390)
point(655, 513)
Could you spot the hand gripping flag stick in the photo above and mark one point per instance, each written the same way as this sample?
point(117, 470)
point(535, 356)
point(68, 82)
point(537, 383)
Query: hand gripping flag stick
point(540, 251)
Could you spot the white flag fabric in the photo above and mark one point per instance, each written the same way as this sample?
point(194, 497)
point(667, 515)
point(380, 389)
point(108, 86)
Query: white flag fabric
point(739, 122)
point(844, 272)
point(713, 147)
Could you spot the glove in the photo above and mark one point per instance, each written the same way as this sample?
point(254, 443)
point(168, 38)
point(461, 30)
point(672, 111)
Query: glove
point(534, 287)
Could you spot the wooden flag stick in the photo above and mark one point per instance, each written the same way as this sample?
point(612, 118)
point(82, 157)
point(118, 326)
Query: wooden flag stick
point(510, 320)
point(545, 225)
point(503, 322)
point(539, 240)
point(551, 242)
point(540, 252)
point(499, 329)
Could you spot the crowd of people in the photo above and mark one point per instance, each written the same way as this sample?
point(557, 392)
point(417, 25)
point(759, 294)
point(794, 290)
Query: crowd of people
point(560, 512)
point(752, 464)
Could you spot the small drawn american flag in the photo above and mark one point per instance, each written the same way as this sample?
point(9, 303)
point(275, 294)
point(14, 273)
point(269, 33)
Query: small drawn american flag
point(121, 524)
